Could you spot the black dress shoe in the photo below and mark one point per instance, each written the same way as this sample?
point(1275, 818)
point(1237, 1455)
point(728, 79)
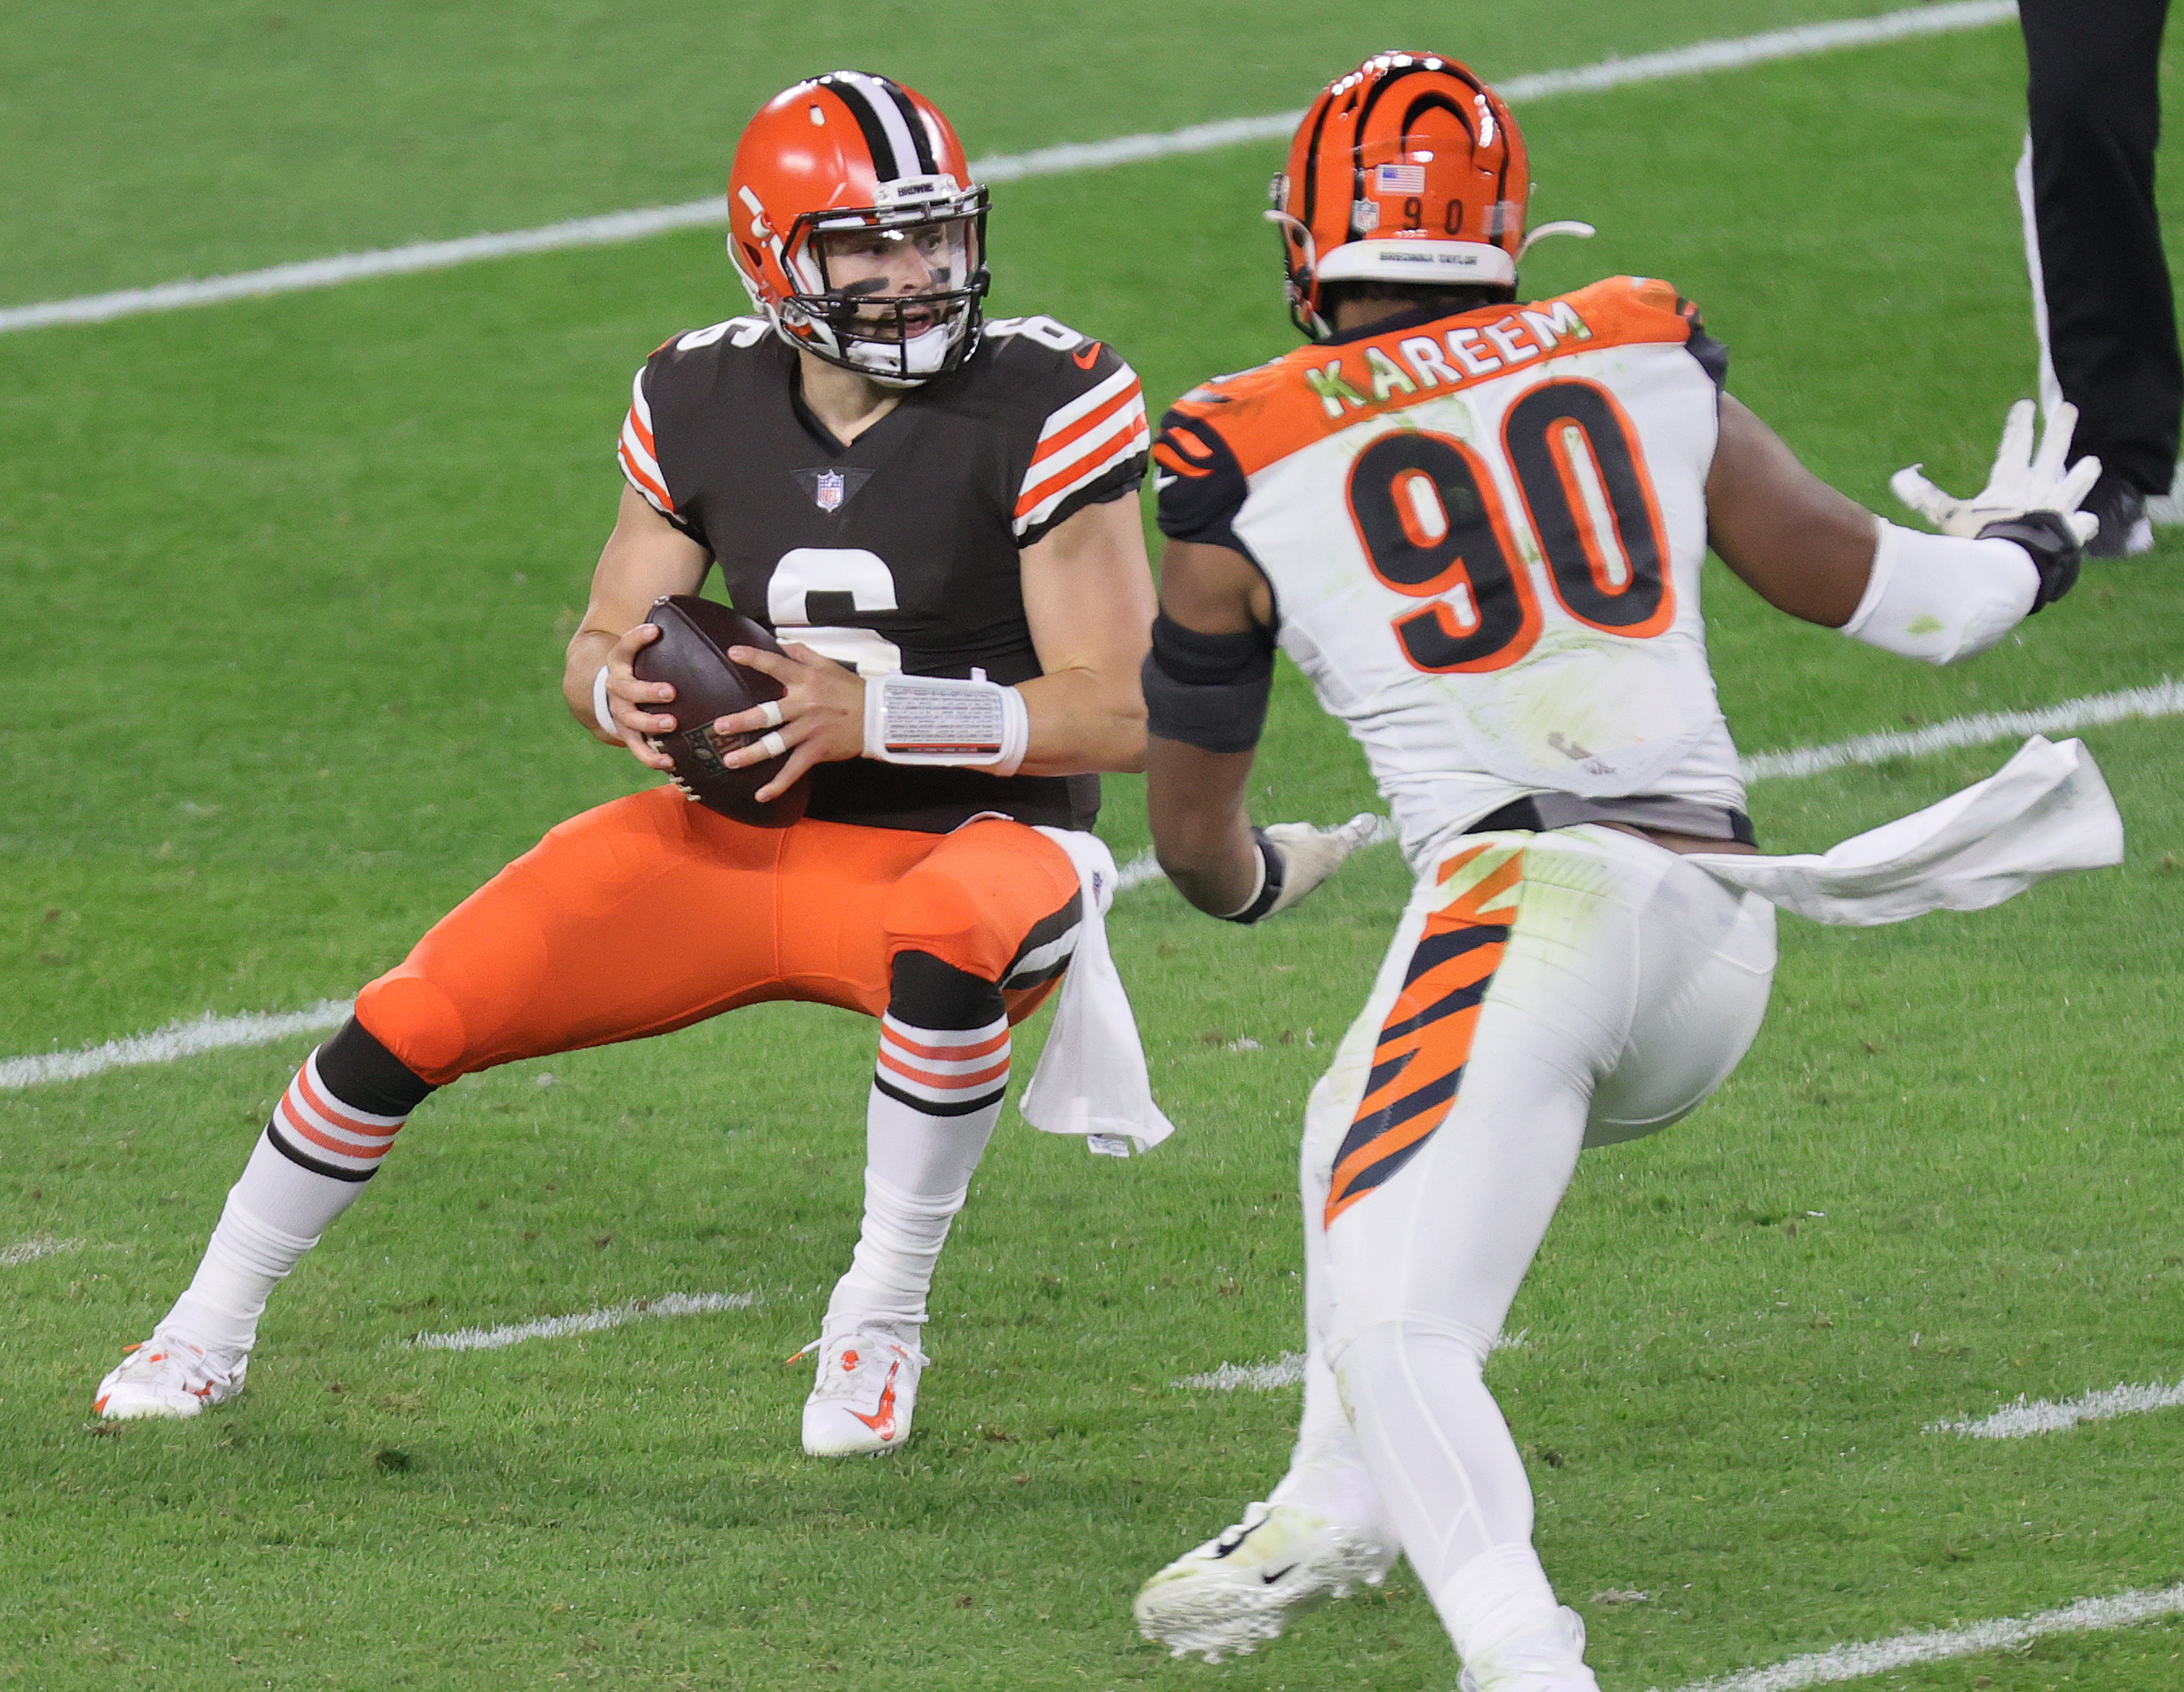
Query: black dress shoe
point(2125, 531)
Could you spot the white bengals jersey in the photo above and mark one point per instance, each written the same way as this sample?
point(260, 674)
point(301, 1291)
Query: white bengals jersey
point(1484, 534)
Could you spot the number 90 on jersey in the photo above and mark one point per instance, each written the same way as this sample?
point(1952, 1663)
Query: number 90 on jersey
point(1433, 528)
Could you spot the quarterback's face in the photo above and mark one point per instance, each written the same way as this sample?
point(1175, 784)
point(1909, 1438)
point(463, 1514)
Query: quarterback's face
point(895, 264)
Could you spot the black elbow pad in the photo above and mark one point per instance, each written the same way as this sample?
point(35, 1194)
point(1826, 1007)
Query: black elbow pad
point(1208, 691)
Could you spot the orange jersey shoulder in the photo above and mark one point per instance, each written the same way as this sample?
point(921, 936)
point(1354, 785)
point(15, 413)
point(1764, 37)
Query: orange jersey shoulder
point(1265, 414)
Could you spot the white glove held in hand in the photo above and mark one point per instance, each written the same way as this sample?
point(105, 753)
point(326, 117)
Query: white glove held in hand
point(1306, 857)
point(2021, 480)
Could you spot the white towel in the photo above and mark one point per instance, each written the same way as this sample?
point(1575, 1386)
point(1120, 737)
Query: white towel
point(2043, 813)
point(1091, 1079)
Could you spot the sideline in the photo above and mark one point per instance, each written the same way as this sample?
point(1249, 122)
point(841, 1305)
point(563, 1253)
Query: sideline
point(210, 1033)
point(1047, 161)
point(1906, 1651)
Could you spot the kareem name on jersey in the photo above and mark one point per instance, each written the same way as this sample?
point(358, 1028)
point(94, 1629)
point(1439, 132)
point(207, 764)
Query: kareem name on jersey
point(1484, 535)
point(896, 551)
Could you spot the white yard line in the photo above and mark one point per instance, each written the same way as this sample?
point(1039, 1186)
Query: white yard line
point(1906, 1651)
point(210, 1033)
point(592, 1322)
point(1046, 161)
point(206, 1033)
point(1286, 1371)
point(2164, 699)
point(2028, 1416)
point(31, 1249)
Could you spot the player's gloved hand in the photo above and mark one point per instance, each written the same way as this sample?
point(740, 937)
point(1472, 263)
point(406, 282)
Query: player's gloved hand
point(2021, 480)
point(1297, 857)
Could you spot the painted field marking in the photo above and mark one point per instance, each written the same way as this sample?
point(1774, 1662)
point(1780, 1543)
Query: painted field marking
point(2166, 698)
point(1907, 1650)
point(617, 226)
point(1287, 1370)
point(2028, 1416)
point(206, 1033)
point(35, 1247)
point(591, 1322)
point(210, 1033)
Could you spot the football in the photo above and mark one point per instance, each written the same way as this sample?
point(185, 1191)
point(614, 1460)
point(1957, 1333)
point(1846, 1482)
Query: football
point(692, 656)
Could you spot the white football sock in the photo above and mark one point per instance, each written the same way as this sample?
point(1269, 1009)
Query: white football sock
point(308, 1166)
point(920, 1147)
point(273, 1215)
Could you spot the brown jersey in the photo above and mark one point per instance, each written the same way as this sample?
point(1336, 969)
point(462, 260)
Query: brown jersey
point(898, 550)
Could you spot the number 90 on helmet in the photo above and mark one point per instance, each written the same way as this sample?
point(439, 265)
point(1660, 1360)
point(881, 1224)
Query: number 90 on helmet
point(854, 225)
point(1408, 169)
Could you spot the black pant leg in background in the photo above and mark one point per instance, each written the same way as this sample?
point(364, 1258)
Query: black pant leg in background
point(2096, 114)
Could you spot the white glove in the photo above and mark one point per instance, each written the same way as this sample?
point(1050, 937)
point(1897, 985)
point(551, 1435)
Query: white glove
point(1310, 854)
point(2021, 482)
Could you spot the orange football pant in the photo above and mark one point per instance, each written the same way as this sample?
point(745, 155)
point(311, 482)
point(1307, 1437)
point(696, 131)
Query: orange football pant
point(650, 914)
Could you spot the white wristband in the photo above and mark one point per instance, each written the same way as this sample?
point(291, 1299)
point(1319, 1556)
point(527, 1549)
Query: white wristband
point(1938, 598)
point(933, 720)
point(602, 713)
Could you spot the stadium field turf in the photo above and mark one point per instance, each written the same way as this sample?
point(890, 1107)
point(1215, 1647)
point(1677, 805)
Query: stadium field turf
point(287, 582)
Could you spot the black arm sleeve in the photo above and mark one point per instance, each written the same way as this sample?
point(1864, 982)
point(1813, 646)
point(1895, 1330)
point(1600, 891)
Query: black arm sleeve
point(1208, 691)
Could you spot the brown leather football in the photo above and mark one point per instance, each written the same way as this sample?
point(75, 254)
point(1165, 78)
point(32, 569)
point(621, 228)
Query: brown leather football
point(692, 656)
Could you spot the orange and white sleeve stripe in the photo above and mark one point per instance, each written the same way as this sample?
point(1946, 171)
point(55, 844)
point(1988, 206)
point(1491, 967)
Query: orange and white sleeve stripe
point(944, 1072)
point(1082, 442)
point(639, 457)
point(319, 1131)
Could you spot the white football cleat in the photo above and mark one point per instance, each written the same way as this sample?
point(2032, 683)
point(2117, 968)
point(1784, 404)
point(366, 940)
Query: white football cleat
point(168, 1376)
point(1242, 1588)
point(1551, 1664)
point(866, 1389)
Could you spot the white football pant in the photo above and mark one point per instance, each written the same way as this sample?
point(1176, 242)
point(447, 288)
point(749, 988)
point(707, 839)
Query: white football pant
point(1564, 989)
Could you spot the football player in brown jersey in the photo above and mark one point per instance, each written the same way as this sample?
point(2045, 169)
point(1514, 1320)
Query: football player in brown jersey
point(1477, 524)
point(902, 490)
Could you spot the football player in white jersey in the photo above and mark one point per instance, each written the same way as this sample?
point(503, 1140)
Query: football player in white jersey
point(1477, 525)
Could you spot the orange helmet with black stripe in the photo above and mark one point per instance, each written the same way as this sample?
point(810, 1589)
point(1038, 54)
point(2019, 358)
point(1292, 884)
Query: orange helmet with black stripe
point(1409, 168)
point(854, 225)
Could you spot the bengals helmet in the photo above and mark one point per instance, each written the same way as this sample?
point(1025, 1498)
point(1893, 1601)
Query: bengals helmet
point(854, 225)
point(1408, 169)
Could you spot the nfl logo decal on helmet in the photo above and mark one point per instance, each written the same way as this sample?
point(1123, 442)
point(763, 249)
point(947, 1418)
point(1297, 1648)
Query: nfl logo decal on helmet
point(854, 225)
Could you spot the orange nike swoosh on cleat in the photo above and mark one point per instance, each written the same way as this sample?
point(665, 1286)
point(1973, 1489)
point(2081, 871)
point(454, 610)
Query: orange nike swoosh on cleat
point(1083, 360)
point(882, 1421)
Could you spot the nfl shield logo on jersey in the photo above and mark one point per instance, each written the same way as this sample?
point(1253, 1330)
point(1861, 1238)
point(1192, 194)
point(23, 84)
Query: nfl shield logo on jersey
point(832, 489)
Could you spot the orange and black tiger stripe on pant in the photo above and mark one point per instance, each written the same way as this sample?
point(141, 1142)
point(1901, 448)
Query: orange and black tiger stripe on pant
point(1417, 1066)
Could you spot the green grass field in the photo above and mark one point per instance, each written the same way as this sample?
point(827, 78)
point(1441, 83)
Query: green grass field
point(288, 584)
